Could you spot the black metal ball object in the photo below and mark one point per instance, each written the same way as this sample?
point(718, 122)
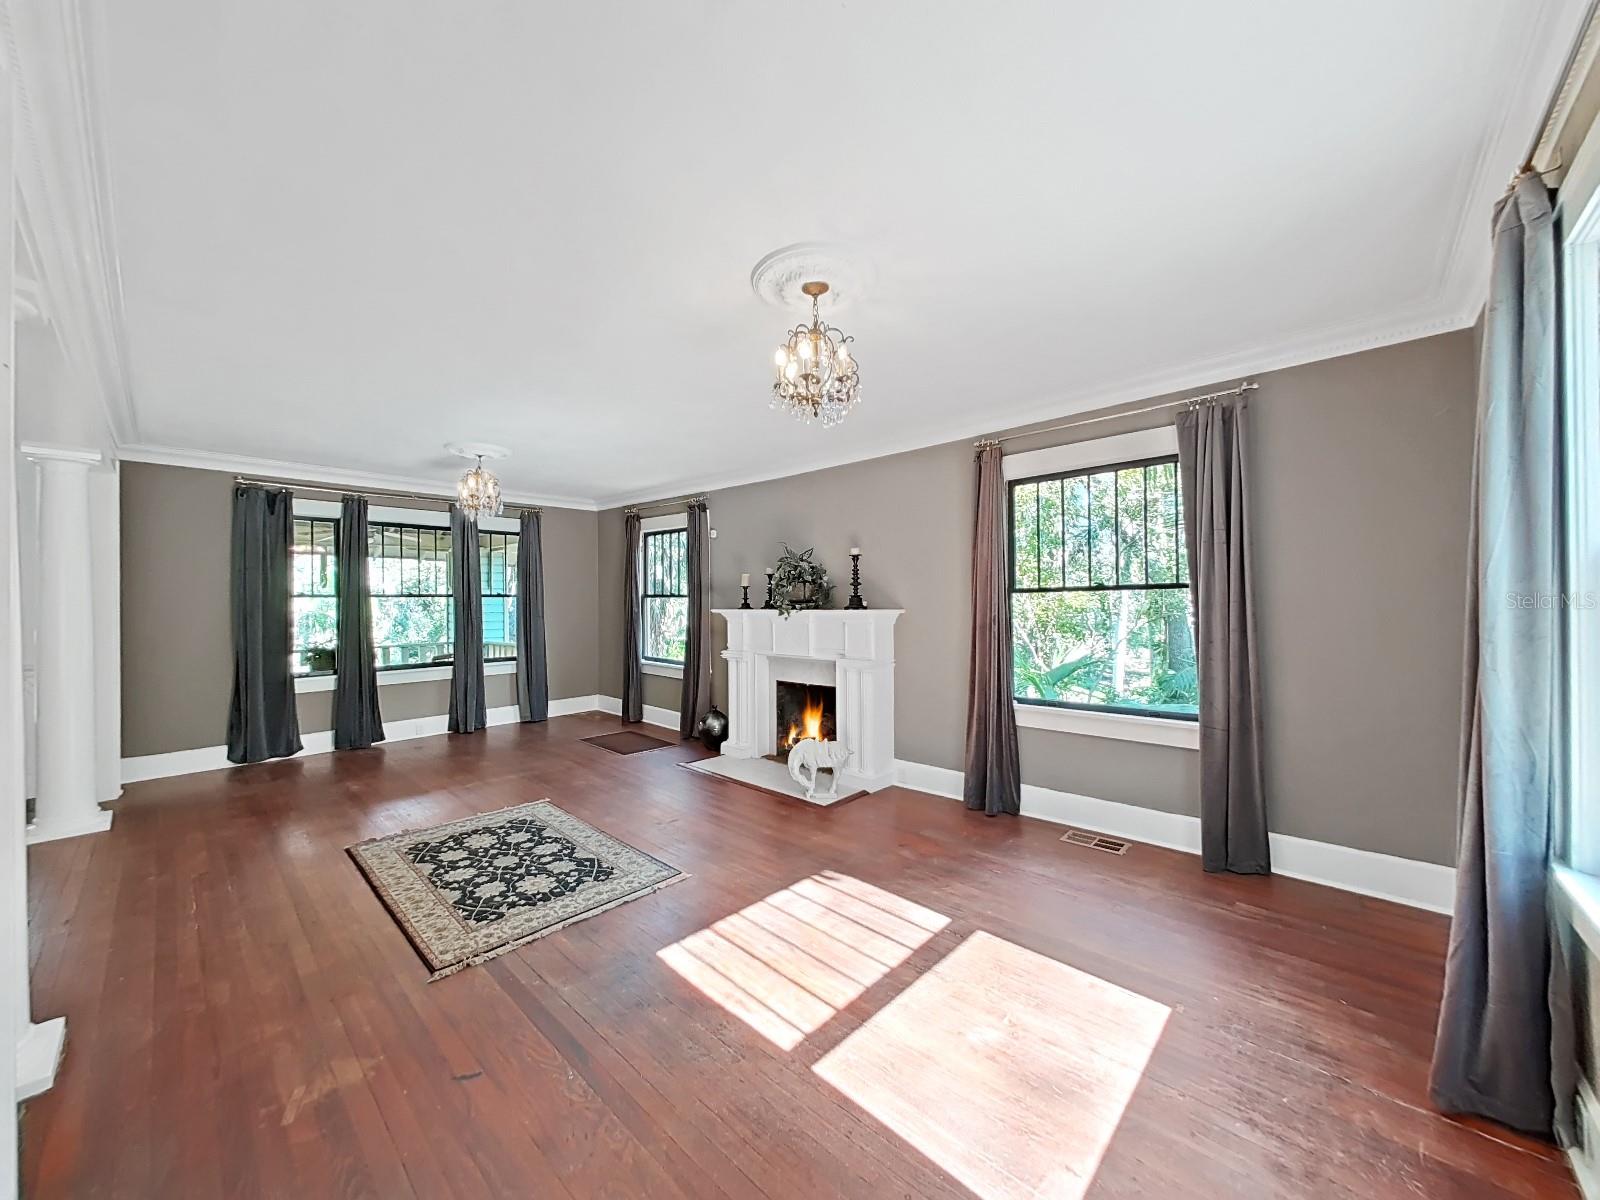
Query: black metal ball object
point(714, 729)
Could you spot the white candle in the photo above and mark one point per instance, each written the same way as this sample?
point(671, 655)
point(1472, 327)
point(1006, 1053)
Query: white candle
point(744, 580)
point(855, 549)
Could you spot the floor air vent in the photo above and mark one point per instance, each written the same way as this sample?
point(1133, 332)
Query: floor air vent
point(1095, 841)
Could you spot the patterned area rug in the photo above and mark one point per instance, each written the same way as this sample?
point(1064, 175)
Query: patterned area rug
point(472, 889)
point(626, 742)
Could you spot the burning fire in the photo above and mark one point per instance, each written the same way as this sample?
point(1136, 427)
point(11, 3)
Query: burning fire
point(810, 723)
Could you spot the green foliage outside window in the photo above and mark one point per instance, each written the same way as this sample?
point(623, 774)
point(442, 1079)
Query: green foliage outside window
point(1100, 600)
point(408, 572)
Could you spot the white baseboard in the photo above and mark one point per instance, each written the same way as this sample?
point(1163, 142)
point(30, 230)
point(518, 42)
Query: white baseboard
point(38, 1056)
point(215, 758)
point(1403, 880)
point(667, 718)
point(1581, 1158)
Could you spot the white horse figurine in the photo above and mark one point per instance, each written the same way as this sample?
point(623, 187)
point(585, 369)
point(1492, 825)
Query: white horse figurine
point(808, 758)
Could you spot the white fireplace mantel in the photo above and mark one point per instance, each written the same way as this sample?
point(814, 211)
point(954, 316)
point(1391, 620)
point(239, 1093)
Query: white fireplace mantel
point(851, 649)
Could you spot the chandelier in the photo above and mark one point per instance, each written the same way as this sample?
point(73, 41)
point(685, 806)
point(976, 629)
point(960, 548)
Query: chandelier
point(479, 492)
point(816, 376)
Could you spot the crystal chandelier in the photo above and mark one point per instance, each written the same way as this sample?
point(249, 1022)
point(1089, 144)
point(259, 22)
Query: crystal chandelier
point(816, 376)
point(479, 492)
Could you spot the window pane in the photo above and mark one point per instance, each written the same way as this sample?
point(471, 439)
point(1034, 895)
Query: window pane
point(316, 627)
point(1161, 482)
point(1075, 503)
point(1130, 648)
point(666, 563)
point(499, 627)
point(412, 630)
point(666, 627)
point(1130, 524)
point(311, 559)
point(1025, 534)
point(1050, 534)
point(1102, 530)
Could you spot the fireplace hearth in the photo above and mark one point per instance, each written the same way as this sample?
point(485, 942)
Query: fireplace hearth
point(804, 710)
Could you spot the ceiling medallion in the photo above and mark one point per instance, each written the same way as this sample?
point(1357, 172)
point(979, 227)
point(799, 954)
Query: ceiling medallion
point(478, 491)
point(816, 378)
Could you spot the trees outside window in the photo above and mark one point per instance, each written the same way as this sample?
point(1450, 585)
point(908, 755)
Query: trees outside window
point(665, 594)
point(1100, 606)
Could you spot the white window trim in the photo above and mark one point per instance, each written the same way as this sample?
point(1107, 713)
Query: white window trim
point(1155, 731)
point(396, 675)
point(1578, 211)
point(1099, 452)
point(651, 666)
point(1078, 456)
point(381, 515)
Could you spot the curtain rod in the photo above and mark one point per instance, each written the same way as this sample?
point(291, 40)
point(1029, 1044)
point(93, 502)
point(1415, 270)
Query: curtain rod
point(1246, 386)
point(370, 493)
point(1580, 59)
point(681, 502)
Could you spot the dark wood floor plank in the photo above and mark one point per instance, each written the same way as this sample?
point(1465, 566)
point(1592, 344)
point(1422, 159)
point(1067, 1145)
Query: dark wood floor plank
point(246, 1020)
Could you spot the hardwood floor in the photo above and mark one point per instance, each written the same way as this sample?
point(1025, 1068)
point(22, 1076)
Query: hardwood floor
point(893, 998)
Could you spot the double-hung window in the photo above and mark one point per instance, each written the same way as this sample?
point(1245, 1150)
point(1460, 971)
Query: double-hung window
point(408, 570)
point(413, 614)
point(664, 571)
point(314, 594)
point(1100, 609)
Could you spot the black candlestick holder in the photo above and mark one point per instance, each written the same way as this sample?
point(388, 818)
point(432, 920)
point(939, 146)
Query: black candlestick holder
point(745, 602)
point(769, 603)
point(855, 583)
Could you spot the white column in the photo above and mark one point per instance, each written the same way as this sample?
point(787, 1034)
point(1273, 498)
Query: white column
point(68, 803)
point(105, 510)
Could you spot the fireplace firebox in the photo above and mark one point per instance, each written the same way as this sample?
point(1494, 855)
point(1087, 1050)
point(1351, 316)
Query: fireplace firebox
point(804, 710)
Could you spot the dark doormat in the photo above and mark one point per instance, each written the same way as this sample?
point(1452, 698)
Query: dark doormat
point(626, 742)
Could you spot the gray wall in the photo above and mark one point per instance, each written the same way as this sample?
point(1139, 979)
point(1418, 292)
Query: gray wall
point(177, 670)
point(1362, 470)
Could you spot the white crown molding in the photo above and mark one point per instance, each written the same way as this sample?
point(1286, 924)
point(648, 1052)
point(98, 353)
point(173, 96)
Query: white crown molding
point(40, 452)
point(1334, 342)
point(64, 206)
point(311, 474)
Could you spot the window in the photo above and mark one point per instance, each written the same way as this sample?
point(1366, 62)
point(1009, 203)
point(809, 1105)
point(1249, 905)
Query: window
point(314, 592)
point(1578, 217)
point(497, 562)
point(413, 620)
point(413, 615)
point(1100, 591)
point(665, 568)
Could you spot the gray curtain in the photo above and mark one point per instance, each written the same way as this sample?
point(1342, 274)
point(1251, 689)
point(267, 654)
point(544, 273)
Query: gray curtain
point(467, 713)
point(356, 720)
point(262, 721)
point(1493, 1056)
point(993, 780)
point(696, 701)
point(533, 682)
point(632, 615)
point(1216, 522)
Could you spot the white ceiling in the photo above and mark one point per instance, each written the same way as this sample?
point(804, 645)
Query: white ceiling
point(352, 232)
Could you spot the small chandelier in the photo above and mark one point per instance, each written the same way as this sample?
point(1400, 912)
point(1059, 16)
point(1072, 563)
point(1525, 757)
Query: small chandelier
point(816, 375)
point(479, 492)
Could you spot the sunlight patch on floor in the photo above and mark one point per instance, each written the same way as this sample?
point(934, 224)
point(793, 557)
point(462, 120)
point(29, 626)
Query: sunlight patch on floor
point(1006, 1068)
point(789, 962)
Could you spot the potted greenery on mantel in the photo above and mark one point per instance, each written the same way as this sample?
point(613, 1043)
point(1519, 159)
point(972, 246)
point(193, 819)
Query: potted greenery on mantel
point(800, 582)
